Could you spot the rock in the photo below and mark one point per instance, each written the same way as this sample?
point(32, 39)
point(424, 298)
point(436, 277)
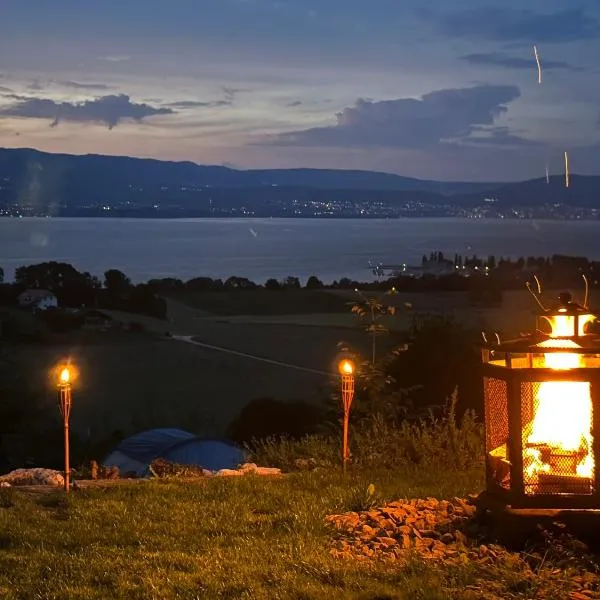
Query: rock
point(229, 473)
point(305, 464)
point(267, 471)
point(36, 476)
point(4, 484)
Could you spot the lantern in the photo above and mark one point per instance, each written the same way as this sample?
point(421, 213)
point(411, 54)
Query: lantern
point(542, 412)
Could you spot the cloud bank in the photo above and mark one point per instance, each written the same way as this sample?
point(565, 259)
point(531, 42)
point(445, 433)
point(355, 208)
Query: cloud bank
point(409, 123)
point(107, 110)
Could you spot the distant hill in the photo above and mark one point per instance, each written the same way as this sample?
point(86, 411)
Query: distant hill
point(66, 182)
point(23, 164)
point(583, 191)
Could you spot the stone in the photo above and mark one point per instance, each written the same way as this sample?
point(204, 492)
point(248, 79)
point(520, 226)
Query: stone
point(35, 476)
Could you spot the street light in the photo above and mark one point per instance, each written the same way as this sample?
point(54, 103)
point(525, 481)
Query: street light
point(66, 375)
point(346, 368)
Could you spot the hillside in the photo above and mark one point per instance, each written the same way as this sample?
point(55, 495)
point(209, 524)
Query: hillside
point(67, 185)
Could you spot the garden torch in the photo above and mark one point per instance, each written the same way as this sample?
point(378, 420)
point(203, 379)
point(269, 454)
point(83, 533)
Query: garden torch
point(65, 399)
point(346, 369)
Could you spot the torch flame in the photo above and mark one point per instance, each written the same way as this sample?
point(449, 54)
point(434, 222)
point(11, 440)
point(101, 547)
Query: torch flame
point(65, 376)
point(346, 367)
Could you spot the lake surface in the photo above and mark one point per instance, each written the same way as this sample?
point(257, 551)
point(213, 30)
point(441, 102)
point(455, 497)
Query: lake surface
point(263, 248)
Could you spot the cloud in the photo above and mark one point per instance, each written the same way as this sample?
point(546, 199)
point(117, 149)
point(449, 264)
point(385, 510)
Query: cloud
point(512, 62)
point(293, 104)
point(36, 85)
point(407, 122)
point(107, 110)
point(504, 25)
point(75, 85)
point(227, 100)
point(115, 58)
point(498, 136)
point(5, 90)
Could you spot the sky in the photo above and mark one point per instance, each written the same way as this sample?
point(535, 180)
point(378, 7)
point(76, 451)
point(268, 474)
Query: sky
point(424, 88)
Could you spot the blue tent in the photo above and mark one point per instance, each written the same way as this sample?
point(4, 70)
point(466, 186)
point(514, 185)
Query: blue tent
point(134, 454)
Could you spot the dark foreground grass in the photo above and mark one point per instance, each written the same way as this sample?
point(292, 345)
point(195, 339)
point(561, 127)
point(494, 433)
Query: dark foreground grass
point(218, 538)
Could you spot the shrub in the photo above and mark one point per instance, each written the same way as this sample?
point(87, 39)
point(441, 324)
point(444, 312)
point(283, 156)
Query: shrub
point(428, 443)
point(265, 417)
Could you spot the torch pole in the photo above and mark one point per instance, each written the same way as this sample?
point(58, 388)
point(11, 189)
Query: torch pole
point(347, 396)
point(65, 409)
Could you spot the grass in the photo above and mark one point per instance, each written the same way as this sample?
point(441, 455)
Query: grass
point(261, 538)
point(266, 302)
point(243, 538)
point(247, 538)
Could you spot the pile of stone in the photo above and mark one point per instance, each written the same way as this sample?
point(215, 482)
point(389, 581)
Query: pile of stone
point(164, 468)
point(32, 477)
point(435, 529)
point(446, 532)
point(248, 469)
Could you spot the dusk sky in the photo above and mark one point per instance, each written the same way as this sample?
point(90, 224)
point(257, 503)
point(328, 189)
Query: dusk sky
point(434, 89)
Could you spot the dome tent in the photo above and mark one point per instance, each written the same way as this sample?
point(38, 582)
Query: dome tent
point(135, 453)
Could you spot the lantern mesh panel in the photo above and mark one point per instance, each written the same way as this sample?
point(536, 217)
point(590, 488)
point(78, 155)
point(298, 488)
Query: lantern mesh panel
point(549, 468)
point(496, 430)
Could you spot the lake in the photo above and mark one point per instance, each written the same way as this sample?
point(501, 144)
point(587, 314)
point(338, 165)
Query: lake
point(263, 248)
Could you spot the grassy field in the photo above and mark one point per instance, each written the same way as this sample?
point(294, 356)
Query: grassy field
point(248, 538)
point(133, 381)
point(266, 302)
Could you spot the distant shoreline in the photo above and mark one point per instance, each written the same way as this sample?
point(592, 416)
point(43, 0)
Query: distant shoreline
point(154, 217)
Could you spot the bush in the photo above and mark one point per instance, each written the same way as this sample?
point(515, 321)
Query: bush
point(427, 444)
point(265, 417)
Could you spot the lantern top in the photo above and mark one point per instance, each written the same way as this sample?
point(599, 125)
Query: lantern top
point(556, 329)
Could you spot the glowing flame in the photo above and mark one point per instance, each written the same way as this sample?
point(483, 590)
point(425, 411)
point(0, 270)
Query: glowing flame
point(65, 376)
point(346, 367)
point(564, 325)
point(558, 439)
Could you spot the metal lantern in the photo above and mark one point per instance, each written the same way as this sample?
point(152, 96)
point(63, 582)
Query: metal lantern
point(542, 412)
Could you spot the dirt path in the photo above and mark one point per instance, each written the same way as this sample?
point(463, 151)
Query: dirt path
point(190, 340)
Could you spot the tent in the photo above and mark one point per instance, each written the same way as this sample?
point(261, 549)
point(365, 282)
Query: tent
point(135, 453)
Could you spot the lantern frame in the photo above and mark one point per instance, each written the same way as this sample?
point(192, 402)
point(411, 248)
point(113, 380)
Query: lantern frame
point(512, 372)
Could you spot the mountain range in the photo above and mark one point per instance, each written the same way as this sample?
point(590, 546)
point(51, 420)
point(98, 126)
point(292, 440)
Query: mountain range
point(33, 178)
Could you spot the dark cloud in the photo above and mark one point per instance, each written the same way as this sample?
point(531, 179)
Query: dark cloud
point(228, 99)
point(294, 104)
point(5, 90)
point(503, 24)
point(75, 85)
point(409, 123)
point(498, 136)
point(107, 110)
point(499, 59)
point(36, 85)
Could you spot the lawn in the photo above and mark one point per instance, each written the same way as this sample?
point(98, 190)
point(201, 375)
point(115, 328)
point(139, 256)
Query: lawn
point(242, 538)
point(131, 381)
point(253, 538)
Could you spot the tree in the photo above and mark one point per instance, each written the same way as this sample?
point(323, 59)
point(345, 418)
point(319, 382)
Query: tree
point(1, 275)
point(313, 283)
point(116, 282)
point(70, 286)
point(291, 283)
point(239, 283)
point(272, 284)
point(372, 310)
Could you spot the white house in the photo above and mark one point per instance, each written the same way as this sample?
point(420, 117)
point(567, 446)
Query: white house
point(38, 300)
